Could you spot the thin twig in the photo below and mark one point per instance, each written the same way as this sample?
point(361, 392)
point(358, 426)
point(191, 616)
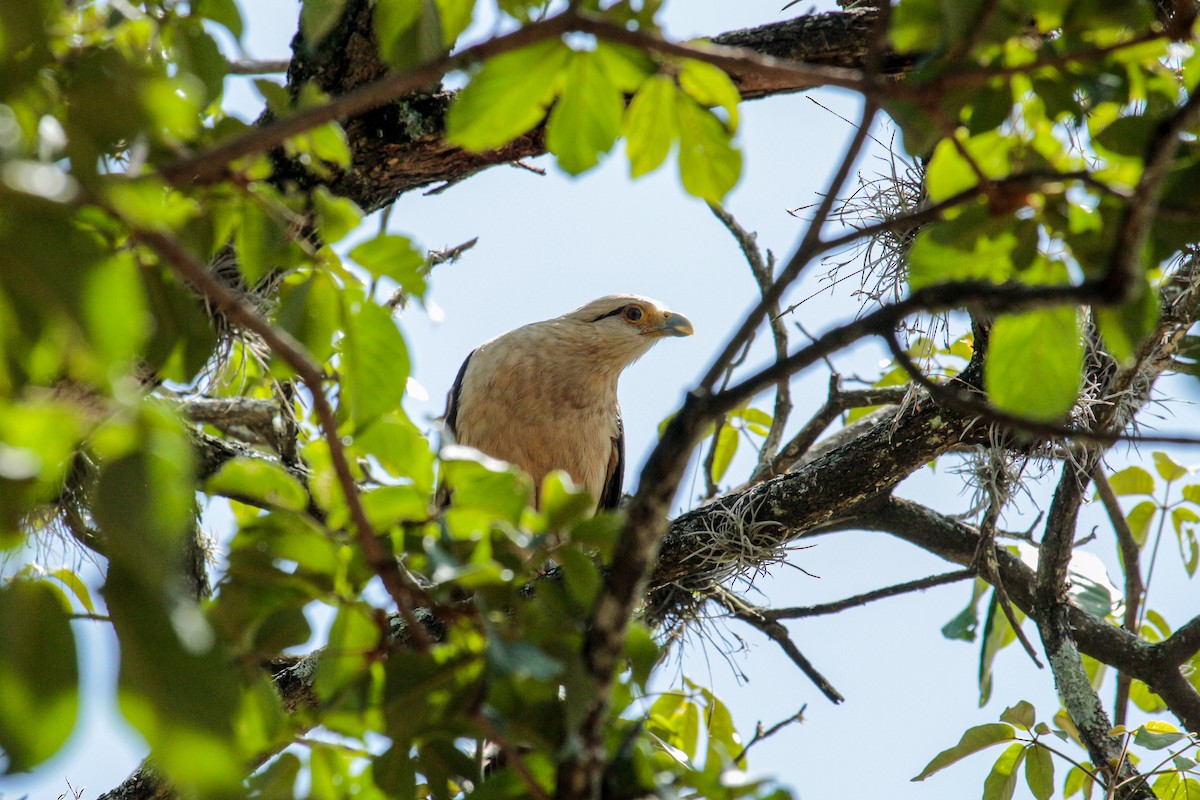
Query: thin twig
point(919, 585)
point(764, 271)
point(263, 67)
point(760, 734)
point(1132, 565)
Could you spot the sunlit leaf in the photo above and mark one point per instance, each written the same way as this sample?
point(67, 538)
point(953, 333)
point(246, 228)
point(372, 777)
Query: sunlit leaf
point(260, 482)
point(1034, 363)
point(1132, 480)
point(709, 164)
point(650, 125)
point(507, 97)
point(585, 121)
point(1168, 470)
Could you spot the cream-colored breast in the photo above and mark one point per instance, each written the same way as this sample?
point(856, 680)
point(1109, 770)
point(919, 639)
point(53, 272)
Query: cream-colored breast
point(540, 408)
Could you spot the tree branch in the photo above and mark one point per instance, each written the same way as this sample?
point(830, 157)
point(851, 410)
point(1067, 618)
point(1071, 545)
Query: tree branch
point(180, 260)
point(919, 585)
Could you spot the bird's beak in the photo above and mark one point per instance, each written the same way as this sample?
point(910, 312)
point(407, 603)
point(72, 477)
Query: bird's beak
point(676, 325)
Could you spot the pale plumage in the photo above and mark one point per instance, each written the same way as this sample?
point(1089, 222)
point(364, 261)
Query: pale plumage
point(544, 396)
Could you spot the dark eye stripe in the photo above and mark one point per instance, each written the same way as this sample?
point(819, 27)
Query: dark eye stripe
point(612, 313)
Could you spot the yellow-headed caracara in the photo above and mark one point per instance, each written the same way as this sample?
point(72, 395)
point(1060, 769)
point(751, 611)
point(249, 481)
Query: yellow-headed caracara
point(544, 396)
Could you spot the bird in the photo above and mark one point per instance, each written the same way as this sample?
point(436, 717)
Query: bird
point(543, 397)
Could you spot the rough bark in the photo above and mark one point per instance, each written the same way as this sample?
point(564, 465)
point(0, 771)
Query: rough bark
point(401, 146)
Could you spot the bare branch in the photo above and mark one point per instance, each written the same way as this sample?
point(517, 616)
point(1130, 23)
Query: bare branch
point(919, 585)
point(776, 632)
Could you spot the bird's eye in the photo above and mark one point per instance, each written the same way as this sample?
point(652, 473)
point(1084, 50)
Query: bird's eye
point(633, 313)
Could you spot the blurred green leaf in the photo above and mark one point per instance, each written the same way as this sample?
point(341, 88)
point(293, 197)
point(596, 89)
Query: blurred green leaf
point(726, 449)
point(317, 18)
point(1139, 518)
point(710, 87)
point(1168, 470)
point(1022, 715)
point(1131, 480)
point(39, 681)
point(1185, 522)
point(709, 164)
point(651, 124)
point(354, 640)
point(1155, 735)
point(395, 257)
point(259, 482)
point(374, 364)
point(1035, 363)
point(223, 12)
point(507, 97)
point(586, 118)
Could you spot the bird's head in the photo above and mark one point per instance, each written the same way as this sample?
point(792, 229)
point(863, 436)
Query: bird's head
point(630, 315)
point(618, 329)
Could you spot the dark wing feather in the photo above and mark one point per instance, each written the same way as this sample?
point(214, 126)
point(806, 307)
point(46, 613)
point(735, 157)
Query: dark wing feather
point(610, 495)
point(450, 423)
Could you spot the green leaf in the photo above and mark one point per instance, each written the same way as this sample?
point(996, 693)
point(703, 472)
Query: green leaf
point(408, 31)
point(1168, 470)
point(354, 637)
point(39, 680)
point(1185, 521)
point(309, 310)
point(1001, 782)
point(507, 97)
point(1034, 363)
point(395, 257)
point(258, 482)
point(709, 164)
point(454, 17)
point(317, 18)
point(115, 312)
point(375, 364)
point(587, 117)
point(521, 660)
point(1039, 772)
point(973, 740)
point(1125, 327)
point(563, 503)
point(78, 588)
point(726, 448)
point(222, 12)
point(950, 172)
point(710, 87)
point(651, 124)
point(399, 447)
point(1155, 735)
point(1132, 480)
point(1022, 715)
point(1139, 519)
point(933, 262)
